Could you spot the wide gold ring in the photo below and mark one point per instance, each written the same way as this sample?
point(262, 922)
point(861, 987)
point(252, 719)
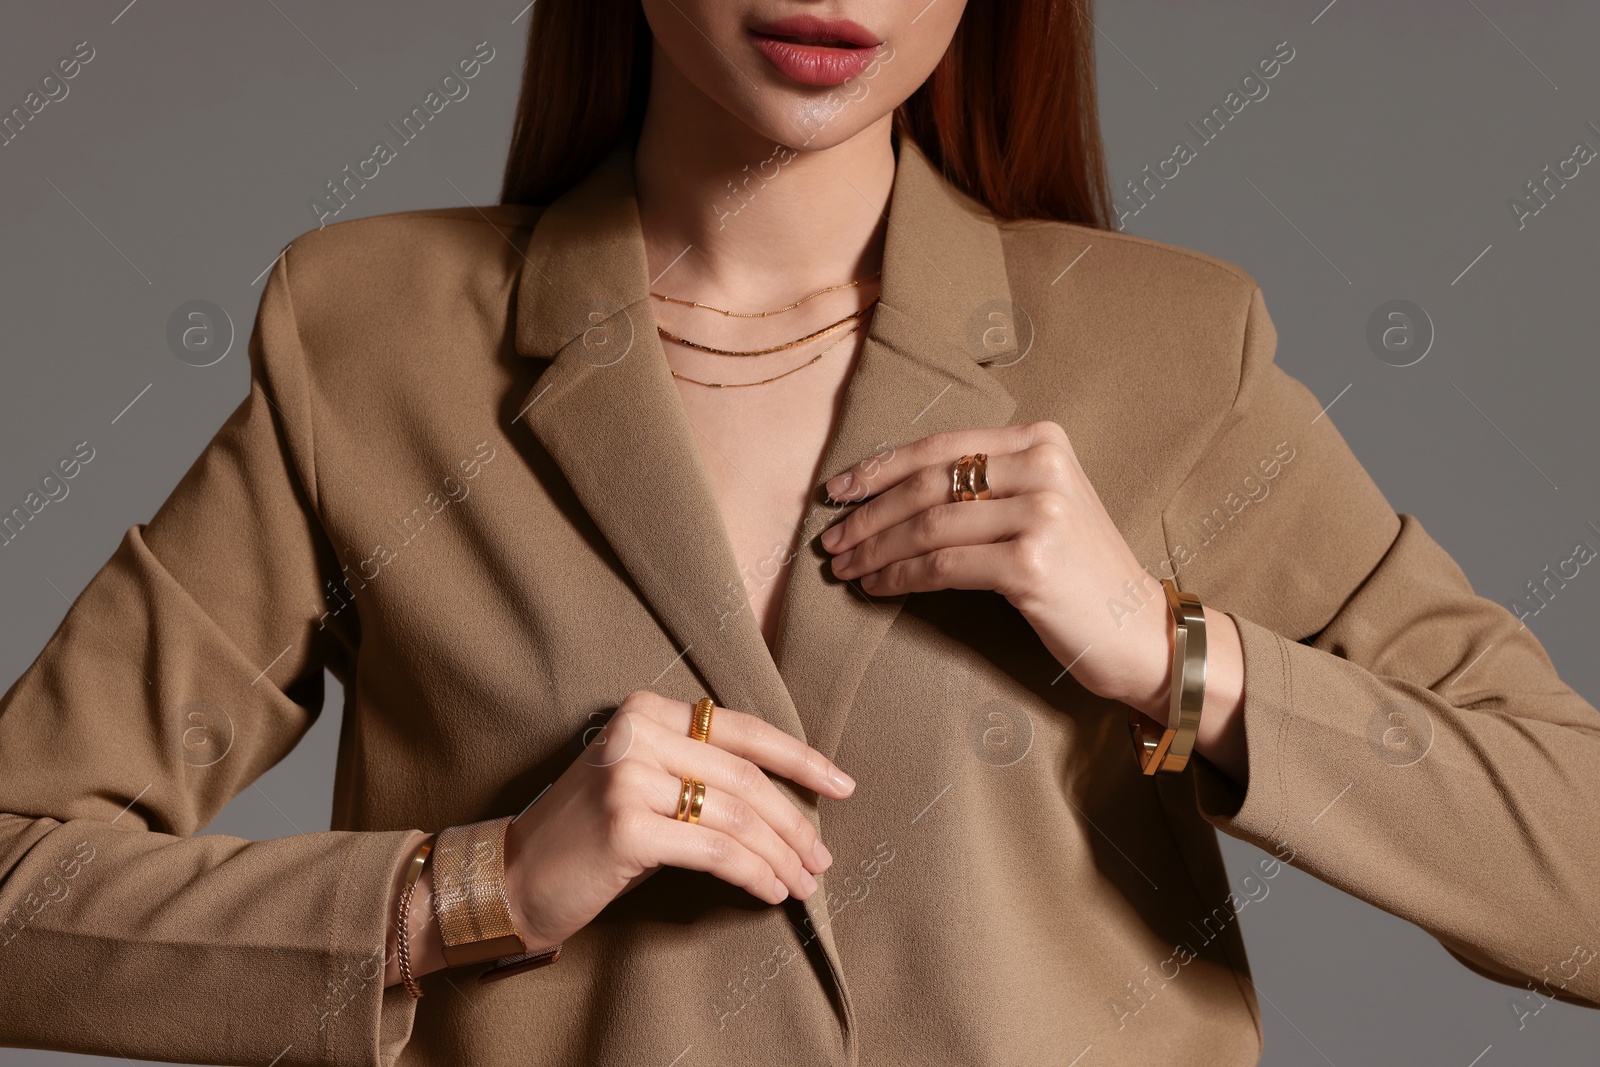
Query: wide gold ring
point(698, 802)
point(685, 797)
point(969, 478)
point(700, 726)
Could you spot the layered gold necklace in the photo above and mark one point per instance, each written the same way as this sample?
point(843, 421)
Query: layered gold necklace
point(853, 318)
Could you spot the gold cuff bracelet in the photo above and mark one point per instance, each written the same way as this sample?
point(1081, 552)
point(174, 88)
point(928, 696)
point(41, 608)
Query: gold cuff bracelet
point(1167, 750)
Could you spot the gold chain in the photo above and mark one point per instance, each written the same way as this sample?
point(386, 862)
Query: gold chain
point(763, 351)
point(775, 377)
point(763, 314)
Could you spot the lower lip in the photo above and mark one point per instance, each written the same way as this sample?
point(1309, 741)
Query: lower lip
point(815, 64)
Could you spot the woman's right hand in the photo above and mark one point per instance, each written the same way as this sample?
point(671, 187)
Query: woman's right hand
point(608, 822)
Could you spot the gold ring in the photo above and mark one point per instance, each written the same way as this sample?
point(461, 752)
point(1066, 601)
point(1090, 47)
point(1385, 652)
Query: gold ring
point(684, 796)
point(698, 802)
point(969, 478)
point(978, 477)
point(700, 727)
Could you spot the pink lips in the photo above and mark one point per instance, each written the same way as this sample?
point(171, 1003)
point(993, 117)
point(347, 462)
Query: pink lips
point(814, 51)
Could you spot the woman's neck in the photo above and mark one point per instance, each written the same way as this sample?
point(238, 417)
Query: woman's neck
point(733, 219)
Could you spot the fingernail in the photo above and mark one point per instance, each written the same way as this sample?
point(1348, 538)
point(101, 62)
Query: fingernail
point(841, 780)
point(842, 560)
point(840, 485)
point(807, 882)
point(781, 889)
point(830, 536)
point(821, 856)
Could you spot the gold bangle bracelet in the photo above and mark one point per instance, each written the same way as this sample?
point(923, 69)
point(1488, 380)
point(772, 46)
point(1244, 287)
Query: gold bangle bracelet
point(419, 860)
point(469, 893)
point(1167, 750)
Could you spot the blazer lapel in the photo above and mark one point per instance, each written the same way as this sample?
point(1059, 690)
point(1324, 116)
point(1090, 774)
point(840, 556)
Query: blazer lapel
point(607, 411)
point(945, 305)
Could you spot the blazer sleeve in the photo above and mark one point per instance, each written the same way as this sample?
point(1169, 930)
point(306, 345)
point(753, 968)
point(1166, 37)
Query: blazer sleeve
point(1408, 740)
point(190, 664)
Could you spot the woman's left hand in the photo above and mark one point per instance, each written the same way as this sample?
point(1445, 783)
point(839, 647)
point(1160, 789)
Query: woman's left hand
point(1043, 541)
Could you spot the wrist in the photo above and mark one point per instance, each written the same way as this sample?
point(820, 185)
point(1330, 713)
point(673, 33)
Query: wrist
point(1148, 685)
point(525, 915)
point(516, 897)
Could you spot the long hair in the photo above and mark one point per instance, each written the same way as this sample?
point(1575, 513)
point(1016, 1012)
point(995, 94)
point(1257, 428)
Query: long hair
point(1008, 116)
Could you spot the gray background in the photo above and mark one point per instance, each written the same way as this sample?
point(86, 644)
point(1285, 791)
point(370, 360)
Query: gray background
point(1379, 166)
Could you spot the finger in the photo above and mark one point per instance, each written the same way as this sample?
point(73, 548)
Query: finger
point(966, 567)
point(1040, 467)
point(878, 473)
point(728, 814)
point(745, 780)
point(754, 739)
point(663, 840)
point(975, 522)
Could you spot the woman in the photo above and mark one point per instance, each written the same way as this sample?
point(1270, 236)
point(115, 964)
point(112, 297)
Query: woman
point(800, 371)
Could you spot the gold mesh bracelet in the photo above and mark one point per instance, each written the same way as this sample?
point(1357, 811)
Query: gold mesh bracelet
point(469, 893)
point(1167, 751)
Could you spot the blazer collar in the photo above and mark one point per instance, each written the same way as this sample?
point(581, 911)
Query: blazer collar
point(608, 413)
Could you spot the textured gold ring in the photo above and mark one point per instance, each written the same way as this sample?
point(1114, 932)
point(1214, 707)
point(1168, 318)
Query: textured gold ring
point(978, 477)
point(685, 795)
point(969, 478)
point(698, 802)
point(700, 727)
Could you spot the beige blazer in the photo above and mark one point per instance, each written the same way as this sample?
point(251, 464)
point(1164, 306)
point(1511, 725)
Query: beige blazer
point(463, 481)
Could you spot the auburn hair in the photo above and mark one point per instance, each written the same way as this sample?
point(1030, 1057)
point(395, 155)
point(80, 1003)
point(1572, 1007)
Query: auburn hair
point(1008, 116)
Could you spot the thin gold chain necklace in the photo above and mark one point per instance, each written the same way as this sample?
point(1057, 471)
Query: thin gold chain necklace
point(775, 377)
point(764, 351)
point(763, 314)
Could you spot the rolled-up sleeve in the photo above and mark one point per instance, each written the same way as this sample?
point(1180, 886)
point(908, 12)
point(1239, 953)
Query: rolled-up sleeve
point(191, 663)
point(1408, 741)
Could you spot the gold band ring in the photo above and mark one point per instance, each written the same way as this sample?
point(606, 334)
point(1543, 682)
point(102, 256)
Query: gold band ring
point(700, 726)
point(969, 478)
point(685, 795)
point(698, 802)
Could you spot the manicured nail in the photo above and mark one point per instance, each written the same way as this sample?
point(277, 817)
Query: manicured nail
point(837, 487)
point(830, 536)
point(842, 560)
point(781, 889)
point(841, 780)
point(807, 882)
point(821, 856)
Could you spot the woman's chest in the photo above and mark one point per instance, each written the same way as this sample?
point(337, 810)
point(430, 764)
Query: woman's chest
point(761, 447)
